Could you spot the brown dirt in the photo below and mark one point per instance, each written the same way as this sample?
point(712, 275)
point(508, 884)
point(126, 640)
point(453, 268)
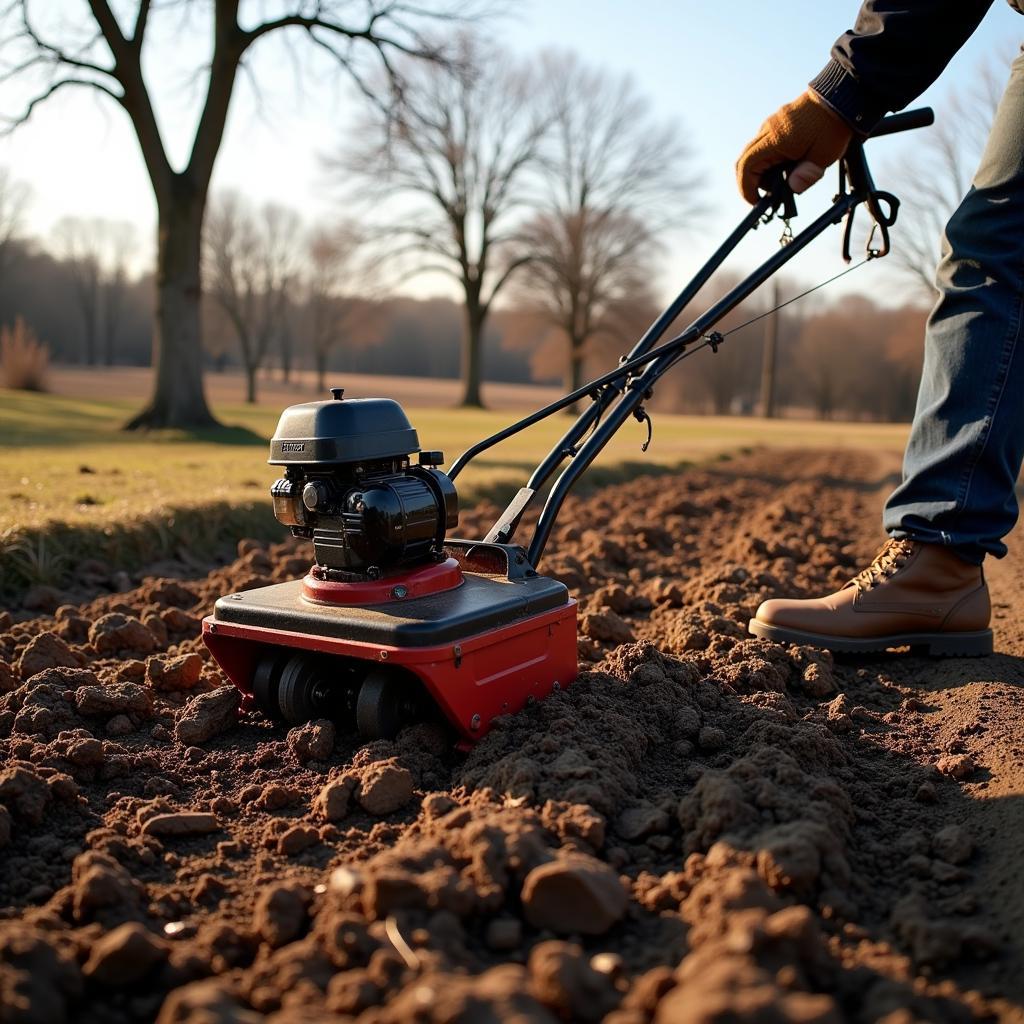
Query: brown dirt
point(704, 827)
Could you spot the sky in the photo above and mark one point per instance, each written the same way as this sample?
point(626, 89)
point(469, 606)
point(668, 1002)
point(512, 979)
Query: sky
point(718, 69)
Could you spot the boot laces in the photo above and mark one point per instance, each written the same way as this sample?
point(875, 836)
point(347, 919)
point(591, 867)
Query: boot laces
point(887, 562)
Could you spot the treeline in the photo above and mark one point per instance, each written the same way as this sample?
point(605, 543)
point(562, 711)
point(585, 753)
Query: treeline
point(419, 338)
point(846, 359)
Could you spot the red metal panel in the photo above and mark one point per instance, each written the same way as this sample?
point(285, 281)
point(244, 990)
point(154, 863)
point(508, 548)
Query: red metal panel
point(473, 681)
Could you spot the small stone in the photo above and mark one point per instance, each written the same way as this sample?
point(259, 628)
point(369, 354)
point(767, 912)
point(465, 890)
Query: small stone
point(114, 699)
point(435, 805)
point(956, 766)
point(953, 844)
point(297, 839)
point(178, 621)
point(115, 632)
point(120, 725)
point(576, 893)
point(179, 824)
point(207, 715)
point(174, 674)
point(637, 823)
point(818, 680)
point(280, 913)
point(25, 793)
point(8, 679)
point(384, 786)
point(606, 627)
point(312, 741)
point(124, 956)
point(926, 793)
point(711, 738)
point(47, 650)
point(274, 796)
point(332, 803)
point(86, 753)
point(561, 977)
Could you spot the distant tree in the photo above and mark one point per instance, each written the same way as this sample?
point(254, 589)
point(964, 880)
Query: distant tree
point(249, 265)
point(14, 198)
point(860, 359)
point(332, 306)
point(937, 175)
point(454, 158)
point(79, 242)
point(613, 179)
point(102, 50)
point(119, 245)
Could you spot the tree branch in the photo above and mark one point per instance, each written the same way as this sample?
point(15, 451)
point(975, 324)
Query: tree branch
point(16, 122)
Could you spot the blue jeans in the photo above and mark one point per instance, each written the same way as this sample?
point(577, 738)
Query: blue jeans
point(967, 442)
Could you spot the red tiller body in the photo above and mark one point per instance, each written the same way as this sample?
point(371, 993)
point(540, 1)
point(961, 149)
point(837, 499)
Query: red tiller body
point(524, 655)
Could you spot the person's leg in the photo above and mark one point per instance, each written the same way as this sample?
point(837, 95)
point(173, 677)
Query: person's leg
point(967, 441)
point(926, 588)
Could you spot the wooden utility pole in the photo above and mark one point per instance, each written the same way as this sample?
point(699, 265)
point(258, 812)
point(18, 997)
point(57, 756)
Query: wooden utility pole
point(771, 338)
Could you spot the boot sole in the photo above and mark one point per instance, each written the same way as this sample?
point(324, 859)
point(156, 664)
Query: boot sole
point(935, 645)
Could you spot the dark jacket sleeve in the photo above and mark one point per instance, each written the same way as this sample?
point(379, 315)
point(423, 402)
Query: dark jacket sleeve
point(896, 49)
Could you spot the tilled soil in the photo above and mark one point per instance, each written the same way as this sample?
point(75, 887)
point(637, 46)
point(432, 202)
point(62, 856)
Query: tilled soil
point(704, 827)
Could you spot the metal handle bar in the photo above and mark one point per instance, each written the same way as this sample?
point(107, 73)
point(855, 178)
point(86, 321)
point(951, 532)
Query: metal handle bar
point(921, 117)
point(604, 390)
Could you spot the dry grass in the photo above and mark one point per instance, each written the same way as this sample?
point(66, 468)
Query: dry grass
point(77, 487)
point(24, 360)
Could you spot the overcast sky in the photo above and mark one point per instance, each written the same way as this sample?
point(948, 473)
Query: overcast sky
point(718, 68)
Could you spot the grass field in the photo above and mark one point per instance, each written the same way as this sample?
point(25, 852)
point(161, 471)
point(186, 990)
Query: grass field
point(76, 486)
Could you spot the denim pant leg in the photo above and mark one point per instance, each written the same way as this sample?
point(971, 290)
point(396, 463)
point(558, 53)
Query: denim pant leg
point(967, 440)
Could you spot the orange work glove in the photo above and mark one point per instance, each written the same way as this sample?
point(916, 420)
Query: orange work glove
point(805, 132)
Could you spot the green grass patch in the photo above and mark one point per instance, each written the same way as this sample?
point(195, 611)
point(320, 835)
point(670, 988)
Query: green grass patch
point(76, 486)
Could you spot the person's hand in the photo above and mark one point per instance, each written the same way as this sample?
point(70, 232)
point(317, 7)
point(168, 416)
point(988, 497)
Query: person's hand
point(805, 133)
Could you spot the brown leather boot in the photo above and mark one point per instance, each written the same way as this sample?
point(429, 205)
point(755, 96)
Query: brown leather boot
point(912, 595)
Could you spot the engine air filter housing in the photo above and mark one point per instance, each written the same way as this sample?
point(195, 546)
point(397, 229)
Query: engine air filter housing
point(350, 488)
point(342, 430)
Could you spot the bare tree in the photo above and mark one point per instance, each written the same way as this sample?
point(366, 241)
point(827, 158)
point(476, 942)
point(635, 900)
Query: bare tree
point(332, 307)
point(613, 178)
point(938, 175)
point(14, 198)
point(454, 159)
point(119, 245)
point(102, 50)
point(250, 263)
point(79, 243)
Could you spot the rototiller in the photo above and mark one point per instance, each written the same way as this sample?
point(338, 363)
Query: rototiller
point(395, 620)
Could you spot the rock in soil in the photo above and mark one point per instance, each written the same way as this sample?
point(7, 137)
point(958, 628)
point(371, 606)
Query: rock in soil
point(207, 716)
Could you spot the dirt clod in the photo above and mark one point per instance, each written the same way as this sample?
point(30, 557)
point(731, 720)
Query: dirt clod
point(574, 894)
point(207, 715)
point(384, 787)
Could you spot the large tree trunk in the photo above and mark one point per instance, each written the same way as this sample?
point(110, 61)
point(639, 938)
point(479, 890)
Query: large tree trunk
point(574, 372)
point(574, 375)
point(178, 398)
point(471, 359)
